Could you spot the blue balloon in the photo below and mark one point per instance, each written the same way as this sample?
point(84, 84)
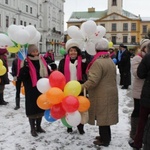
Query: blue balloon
point(20, 56)
point(48, 117)
point(115, 60)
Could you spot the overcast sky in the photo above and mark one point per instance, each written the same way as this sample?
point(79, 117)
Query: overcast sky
point(136, 7)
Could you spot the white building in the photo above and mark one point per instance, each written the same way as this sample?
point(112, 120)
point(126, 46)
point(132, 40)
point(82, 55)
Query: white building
point(46, 15)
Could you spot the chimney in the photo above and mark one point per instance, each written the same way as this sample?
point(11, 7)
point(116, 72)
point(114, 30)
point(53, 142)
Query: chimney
point(91, 9)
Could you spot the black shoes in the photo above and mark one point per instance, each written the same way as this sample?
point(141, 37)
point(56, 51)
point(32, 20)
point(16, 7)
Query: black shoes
point(131, 143)
point(3, 103)
point(101, 143)
point(69, 130)
point(16, 108)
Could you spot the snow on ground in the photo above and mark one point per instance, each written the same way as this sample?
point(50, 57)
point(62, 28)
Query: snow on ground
point(15, 129)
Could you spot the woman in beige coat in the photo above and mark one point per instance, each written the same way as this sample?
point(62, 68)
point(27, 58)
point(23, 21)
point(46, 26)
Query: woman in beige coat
point(103, 93)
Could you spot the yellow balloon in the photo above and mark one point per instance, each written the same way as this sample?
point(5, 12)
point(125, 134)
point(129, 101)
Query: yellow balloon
point(2, 70)
point(72, 88)
point(1, 63)
point(14, 49)
point(110, 44)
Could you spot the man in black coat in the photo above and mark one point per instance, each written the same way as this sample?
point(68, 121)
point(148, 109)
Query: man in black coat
point(123, 62)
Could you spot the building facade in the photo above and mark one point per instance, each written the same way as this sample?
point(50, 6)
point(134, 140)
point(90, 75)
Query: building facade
point(46, 15)
point(121, 26)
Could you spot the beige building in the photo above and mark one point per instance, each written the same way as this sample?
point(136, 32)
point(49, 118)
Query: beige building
point(121, 26)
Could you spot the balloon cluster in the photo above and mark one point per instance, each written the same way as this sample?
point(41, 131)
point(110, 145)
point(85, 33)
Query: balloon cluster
point(18, 37)
point(2, 68)
point(61, 100)
point(86, 36)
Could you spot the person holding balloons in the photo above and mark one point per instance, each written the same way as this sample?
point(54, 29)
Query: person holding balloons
point(103, 93)
point(3, 74)
point(32, 69)
point(73, 68)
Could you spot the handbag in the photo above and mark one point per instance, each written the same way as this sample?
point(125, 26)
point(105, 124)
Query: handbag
point(84, 115)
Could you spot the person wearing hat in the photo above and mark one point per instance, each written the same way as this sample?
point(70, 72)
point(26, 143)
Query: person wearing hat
point(103, 93)
point(123, 62)
point(73, 68)
point(32, 69)
point(112, 54)
point(3, 78)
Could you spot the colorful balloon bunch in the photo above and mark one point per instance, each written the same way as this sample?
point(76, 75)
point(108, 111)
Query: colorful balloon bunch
point(2, 68)
point(61, 100)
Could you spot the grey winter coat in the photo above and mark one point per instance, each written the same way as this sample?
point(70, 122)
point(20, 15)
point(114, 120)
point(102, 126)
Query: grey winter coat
point(103, 92)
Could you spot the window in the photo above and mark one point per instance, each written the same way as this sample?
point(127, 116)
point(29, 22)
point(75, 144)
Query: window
point(14, 20)
point(25, 23)
point(6, 1)
point(114, 39)
point(133, 27)
point(40, 7)
point(125, 27)
point(133, 39)
point(144, 28)
point(21, 22)
point(113, 27)
point(31, 10)
point(103, 25)
point(26, 8)
point(7, 21)
point(40, 23)
point(125, 39)
point(114, 2)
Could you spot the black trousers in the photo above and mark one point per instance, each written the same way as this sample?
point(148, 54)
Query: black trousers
point(105, 133)
point(18, 86)
point(136, 110)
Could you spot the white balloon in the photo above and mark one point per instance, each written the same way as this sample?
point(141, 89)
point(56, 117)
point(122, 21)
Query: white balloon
point(5, 41)
point(11, 30)
point(31, 30)
point(100, 31)
point(74, 32)
point(21, 36)
point(89, 27)
point(43, 85)
point(36, 38)
point(90, 48)
point(73, 119)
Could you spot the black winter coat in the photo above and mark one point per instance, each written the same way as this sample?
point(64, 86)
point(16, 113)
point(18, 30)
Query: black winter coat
point(31, 93)
point(143, 72)
point(124, 68)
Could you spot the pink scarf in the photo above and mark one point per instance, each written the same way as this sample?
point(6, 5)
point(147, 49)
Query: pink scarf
point(32, 70)
point(67, 70)
point(49, 55)
point(18, 66)
point(97, 55)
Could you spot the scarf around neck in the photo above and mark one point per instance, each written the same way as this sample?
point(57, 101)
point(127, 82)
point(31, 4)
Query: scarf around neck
point(96, 56)
point(32, 71)
point(67, 68)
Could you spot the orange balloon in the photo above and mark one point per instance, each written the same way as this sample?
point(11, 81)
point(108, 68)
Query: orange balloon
point(55, 95)
point(84, 103)
point(22, 90)
point(43, 102)
point(14, 82)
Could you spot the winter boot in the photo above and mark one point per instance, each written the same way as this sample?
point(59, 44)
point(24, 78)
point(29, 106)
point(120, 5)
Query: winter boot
point(17, 104)
point(134, 123)
point(32, 124)
point(69, 130)
point(38, 126)
point(2, 102)
point(80, 128)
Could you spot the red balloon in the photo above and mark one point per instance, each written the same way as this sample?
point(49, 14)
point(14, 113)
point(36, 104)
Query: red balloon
point(57, 79)
point(70, 103)
point(57, 111)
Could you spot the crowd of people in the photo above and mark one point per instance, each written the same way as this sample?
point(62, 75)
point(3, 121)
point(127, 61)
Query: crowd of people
point(97, 75)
